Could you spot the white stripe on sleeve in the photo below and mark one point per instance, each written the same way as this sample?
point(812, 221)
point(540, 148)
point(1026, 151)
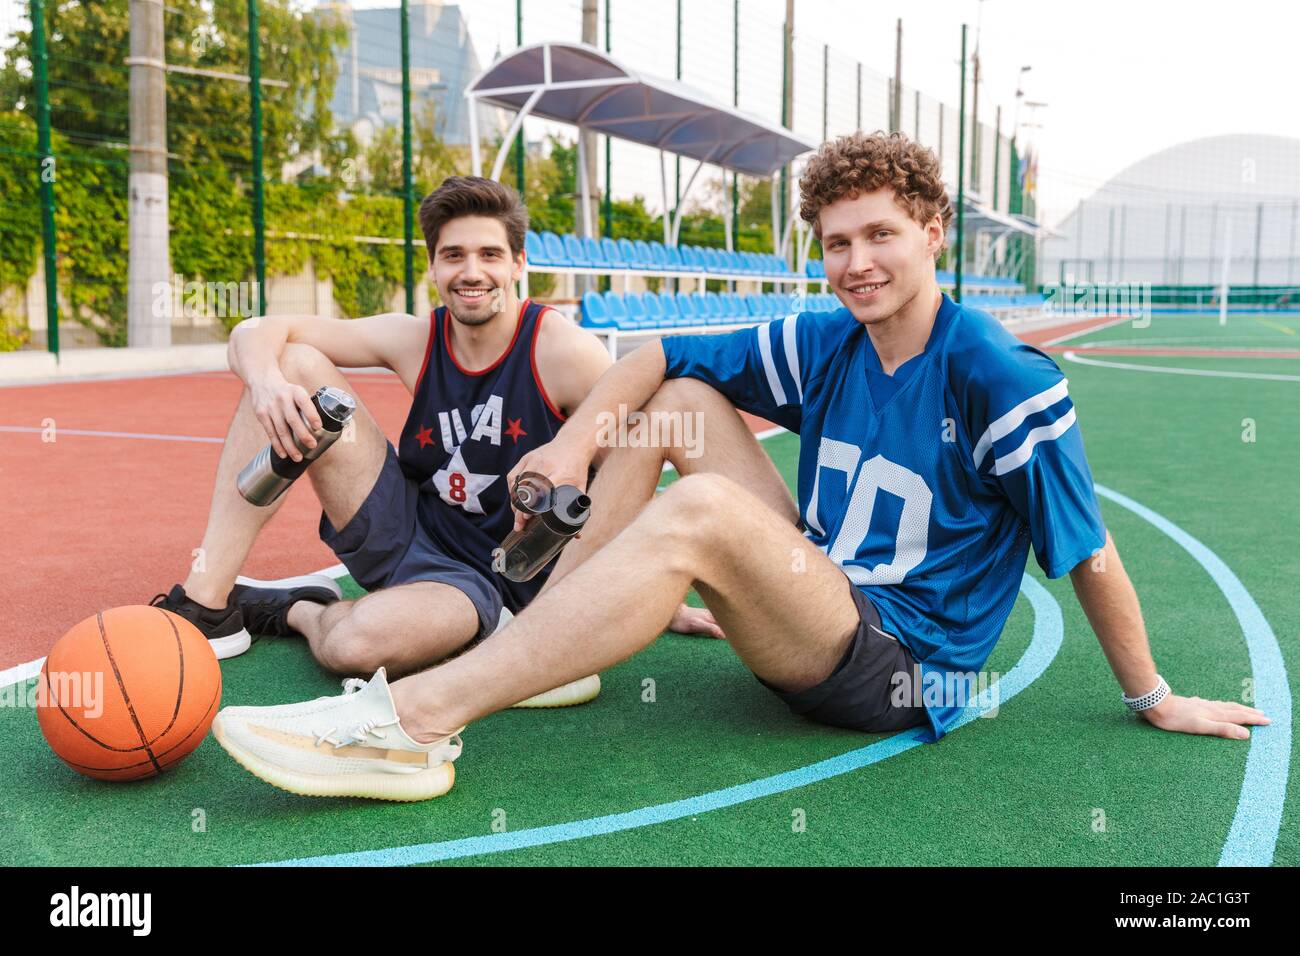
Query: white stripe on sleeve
point(792, 351)
point(1012, 420)
point(1042, 433)
point(769, 366)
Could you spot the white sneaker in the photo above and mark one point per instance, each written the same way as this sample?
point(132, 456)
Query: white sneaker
point(571, 694)
point(316, 580)
point(346, 746)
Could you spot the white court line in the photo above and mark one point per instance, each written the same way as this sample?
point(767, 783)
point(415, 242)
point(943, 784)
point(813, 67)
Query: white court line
point(31, 429)
point(26, 671)
point(1072, 356)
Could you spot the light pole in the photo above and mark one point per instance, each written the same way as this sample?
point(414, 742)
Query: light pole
point(1020, 92)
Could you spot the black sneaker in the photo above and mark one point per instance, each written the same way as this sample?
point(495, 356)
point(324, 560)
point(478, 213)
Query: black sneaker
point(265, 604)
point(224, 629)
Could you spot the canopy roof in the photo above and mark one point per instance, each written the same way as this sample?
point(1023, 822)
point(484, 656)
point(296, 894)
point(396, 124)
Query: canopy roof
point(577, 84)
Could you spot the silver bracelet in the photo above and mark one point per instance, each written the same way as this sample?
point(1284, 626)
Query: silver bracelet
point(1150, 698)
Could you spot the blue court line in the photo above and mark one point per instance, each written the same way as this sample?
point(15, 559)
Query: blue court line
point(1252, 838)
point(1048, 633)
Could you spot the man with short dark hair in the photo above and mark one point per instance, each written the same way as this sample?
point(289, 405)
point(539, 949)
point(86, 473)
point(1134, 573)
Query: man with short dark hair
point(492, 378)
point(936, 447)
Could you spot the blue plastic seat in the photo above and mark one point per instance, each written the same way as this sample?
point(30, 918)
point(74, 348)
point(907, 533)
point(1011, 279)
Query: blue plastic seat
point(687, 310)
point(673, 259)
point(668, 306)
point(594, 313)
point(658, 256)
point(615, 308)
point(612, 254)
point(636, 317)
point(654, 312)
point(710, 307)
point(594, 254)
point(628, 250)
point(554, 248)
point(644, 257)
point(573, 251)
point(691, 259)
point(534, 250)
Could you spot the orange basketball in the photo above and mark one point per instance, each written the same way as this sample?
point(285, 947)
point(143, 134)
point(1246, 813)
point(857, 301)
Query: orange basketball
point(128, 693)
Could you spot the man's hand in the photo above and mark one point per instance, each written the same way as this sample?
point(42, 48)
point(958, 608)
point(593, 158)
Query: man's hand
point(559, 461)
point(1195, 715)
point(281, 407)
point(695, 620)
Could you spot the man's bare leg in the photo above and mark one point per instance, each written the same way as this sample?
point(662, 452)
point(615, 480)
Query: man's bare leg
point(786, 608)
point(342, 478)
point(403, 628)
point(628, 477)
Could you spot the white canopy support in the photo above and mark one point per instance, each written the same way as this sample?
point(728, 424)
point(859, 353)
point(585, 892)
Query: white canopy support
point(726, 213)
point(576, 83)
point(681, 203)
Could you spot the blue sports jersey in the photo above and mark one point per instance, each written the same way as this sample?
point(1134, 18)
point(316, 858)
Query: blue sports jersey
point(928, 486)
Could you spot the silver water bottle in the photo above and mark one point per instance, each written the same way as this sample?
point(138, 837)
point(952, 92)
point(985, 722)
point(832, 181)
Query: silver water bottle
point(268, 476)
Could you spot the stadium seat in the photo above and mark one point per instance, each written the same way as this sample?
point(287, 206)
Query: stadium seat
point(636, 317)
point(594, 254)
point(594, 313)
point(644, 258)
point(615, 309)
point(658, 257)
point(573, 251)
point(612, 253)
point(554, 248)
point(654, 312)
point(692, 259)
point(673, 259)
point(687, 309)
point(628, 251)
point(668, 306)
point(534, 250)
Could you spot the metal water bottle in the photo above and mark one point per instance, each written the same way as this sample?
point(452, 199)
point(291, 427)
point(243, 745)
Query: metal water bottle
point(268, 476)
point(557, 514)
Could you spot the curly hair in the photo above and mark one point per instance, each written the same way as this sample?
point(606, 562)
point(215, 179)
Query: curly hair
point(861, 163)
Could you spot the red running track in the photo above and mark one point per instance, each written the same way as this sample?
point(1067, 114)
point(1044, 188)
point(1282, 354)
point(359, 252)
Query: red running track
point(90, 522)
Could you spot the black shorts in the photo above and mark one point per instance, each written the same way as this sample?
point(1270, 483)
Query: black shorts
point(385, 545)
point(859, 694)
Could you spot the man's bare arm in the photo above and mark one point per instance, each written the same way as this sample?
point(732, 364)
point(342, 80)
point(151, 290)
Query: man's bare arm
point(1111, 605)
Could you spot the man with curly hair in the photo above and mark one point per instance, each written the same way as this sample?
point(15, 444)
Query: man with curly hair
point(935, 449)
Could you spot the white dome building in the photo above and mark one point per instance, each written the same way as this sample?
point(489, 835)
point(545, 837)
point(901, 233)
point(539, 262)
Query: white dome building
point(1171, 218)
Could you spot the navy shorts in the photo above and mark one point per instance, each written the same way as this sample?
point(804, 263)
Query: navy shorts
point(859, 693)
point(385, 545)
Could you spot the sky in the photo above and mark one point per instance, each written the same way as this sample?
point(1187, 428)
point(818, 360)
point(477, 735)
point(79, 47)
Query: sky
point(1121, 78)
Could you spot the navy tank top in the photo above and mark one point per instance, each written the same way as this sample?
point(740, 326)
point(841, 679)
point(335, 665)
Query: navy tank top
point(466, 430)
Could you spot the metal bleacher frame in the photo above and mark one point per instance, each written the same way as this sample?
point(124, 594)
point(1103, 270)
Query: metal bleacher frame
point(579, 85)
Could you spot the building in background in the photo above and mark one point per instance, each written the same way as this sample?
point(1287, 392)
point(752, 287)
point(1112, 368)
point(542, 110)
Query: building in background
point(368, 95)
point(1173, 217)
